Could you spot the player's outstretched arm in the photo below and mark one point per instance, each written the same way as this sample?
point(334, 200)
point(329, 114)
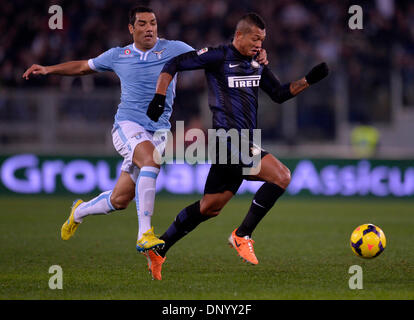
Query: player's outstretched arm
point(157, 105)
point(71, 68)
point(191, 60)
point(163, 82)
point(315, 75)
point(281, 93)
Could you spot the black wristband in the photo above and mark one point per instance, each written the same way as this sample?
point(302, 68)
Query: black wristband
point(156, 107)
point(159, 98)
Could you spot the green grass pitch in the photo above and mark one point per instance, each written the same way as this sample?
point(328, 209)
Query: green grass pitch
point(302, 246)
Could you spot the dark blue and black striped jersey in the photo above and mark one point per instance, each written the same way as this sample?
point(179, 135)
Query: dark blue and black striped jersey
point(233, 82)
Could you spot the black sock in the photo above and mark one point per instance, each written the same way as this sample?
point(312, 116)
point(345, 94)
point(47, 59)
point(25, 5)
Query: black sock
point(263, 201)
point(186, 221)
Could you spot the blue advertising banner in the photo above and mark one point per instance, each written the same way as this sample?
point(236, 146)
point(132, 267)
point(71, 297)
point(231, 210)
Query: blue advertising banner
point(47, 175)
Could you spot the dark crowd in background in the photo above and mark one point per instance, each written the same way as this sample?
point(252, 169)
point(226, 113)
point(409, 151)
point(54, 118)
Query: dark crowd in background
point(300, 34)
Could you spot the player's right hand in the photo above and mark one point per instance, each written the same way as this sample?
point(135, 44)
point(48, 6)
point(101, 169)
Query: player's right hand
point(34, 69)
point(156, 107)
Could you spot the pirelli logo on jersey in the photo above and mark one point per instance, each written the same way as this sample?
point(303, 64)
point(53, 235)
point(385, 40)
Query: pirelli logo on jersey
point(244, 81)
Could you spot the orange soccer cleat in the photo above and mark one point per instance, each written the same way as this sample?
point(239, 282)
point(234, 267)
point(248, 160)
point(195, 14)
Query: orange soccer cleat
point(155, 262)
point(244, 247)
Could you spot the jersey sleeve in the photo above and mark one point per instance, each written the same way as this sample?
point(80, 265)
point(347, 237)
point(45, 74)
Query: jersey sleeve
point(103, 62)
point(193, 60)
point(270, 84)
point(181, 47)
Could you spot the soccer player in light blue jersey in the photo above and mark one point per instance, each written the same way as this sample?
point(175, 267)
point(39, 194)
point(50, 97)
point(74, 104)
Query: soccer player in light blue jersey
point(137, 65)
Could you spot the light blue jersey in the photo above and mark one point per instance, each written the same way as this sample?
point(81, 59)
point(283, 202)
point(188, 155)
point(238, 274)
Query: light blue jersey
point(138, 72)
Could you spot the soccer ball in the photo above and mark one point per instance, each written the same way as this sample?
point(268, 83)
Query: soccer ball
point(368, 241)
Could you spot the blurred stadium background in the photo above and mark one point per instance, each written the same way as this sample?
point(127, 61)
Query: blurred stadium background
point(372, 79)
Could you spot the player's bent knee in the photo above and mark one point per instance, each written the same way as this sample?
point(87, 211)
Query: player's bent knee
point(147, 161)
point(211, 213)
point(282, 178)
point(144, 156)
point(286, 178)
point(211, 205)
point(210, 210)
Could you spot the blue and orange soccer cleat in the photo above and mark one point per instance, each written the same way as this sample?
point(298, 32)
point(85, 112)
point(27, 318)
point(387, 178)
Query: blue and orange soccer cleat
point(70, 226)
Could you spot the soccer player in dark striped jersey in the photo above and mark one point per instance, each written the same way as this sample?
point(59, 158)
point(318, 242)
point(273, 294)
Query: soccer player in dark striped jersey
point(234, 78)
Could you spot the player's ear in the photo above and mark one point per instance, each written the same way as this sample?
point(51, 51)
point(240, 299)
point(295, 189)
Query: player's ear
point(131, 28)
point(238, 35)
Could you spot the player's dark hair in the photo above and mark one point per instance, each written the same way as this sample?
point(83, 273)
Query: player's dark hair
point(253, 18)
point(138, 9)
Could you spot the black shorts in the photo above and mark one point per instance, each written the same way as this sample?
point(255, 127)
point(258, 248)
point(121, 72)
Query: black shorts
point(226, 177)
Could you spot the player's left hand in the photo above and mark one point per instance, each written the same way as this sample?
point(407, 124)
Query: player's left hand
point(262, 57)
point(156, 107)
point(317, 73)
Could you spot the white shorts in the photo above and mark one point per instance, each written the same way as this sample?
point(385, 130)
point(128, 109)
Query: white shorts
point(126, 135)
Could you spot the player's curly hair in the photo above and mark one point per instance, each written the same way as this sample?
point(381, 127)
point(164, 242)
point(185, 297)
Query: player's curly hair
point(138, 9)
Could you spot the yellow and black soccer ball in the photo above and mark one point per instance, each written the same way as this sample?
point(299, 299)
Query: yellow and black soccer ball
point(368, 241)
